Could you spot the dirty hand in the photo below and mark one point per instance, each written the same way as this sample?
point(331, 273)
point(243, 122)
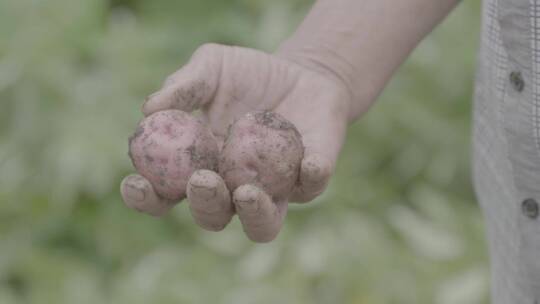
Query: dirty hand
point(225, 83)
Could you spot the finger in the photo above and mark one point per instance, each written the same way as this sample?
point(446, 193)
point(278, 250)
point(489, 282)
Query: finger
point(315, 173)
point(209, 200)
point(192, 86)
point(138, 194)
point(261, 218)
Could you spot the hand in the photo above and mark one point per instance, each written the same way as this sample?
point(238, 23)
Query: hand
point(225, 83)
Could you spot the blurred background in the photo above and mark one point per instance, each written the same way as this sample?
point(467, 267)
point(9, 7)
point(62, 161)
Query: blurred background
point(398, 224)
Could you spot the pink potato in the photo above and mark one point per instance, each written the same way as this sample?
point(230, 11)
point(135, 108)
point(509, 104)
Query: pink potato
point(168, 147)
point(263, 149)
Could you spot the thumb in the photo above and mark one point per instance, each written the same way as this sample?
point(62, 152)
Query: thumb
point(323, 134)
point(315, 172)
point(191, 87)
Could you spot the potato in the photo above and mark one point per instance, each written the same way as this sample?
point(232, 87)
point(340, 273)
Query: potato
point(263, 149)
point(168, 147)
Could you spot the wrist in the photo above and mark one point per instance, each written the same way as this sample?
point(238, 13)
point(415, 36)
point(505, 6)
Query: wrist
point(324, 61)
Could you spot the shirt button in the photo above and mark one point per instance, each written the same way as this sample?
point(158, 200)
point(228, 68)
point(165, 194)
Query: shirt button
point(517, 81)
point(529, 207)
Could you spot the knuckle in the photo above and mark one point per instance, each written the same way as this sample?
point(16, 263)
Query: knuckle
point(212, 221)
point(264, 236)
point(170, 80)
point(305, 194)
point(209, 49)
point(214, 227)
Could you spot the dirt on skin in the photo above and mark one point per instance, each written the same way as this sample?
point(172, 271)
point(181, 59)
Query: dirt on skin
point(275, 121)
point(192, 97)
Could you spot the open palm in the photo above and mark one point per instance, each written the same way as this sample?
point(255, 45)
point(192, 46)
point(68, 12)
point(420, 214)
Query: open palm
point(225, 83)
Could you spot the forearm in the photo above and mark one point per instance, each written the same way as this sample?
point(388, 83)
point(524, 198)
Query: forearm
point(362, 42)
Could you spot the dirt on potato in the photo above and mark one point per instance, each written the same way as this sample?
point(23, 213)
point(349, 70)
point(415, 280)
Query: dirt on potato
point(263, 149)
point(168, 146)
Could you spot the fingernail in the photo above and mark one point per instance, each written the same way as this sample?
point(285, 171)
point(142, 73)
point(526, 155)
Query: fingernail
point(250, 205)
point(135, 194)
point(203, 191)
point(204, 198)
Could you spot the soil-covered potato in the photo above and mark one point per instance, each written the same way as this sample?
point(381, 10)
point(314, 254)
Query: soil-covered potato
point(168, 146)
point(263, 149)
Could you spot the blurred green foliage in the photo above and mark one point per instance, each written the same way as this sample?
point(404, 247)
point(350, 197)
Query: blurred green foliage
point(398, 224)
